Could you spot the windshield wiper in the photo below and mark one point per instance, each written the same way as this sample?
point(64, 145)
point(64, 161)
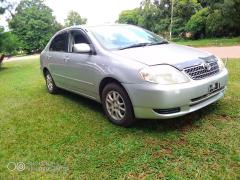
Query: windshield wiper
point(144, 44)
point(158, 43)
point(135, 45)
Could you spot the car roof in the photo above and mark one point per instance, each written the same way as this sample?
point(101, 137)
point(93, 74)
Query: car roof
point(86, 27)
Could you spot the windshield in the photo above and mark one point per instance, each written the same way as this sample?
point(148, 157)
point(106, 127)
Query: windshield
point(124, 36)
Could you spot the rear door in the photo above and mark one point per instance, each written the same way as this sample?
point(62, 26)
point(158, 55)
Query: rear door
point(57, 56)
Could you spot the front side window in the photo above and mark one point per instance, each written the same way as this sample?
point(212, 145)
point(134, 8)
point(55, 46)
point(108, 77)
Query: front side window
point(120, 37)
point(60, 43)
point(77, 38)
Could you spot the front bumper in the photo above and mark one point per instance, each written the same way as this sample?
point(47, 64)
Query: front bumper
point(174, 100)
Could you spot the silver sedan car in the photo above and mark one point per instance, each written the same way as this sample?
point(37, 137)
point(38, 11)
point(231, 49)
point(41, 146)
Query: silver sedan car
point(133, 72)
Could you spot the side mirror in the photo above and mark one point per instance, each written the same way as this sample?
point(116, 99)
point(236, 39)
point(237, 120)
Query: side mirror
point(81, 48)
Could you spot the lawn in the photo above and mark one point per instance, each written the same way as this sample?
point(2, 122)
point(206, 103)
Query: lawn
point(210, 42)
point(67, 136)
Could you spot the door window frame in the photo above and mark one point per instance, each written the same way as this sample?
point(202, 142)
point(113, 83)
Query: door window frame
point(93, 50)
point(64, 32)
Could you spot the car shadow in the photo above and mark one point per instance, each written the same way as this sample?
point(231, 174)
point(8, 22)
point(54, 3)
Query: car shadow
point(91, 104)
point(184, 123)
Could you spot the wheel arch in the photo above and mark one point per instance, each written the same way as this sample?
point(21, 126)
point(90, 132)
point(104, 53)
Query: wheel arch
point(45, 70)
point(108, 80)
point(105, 81)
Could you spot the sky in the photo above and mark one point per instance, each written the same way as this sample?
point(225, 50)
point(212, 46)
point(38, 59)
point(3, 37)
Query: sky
point(96, 11)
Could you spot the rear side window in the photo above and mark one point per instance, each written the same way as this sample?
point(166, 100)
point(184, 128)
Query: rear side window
point(60, 43)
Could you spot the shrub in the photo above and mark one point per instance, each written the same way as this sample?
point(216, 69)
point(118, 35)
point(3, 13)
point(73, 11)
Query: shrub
point(197, 24)
point(214, 25)
point(10, 44)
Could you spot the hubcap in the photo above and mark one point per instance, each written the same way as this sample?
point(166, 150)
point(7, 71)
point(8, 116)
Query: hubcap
point(49, 82)
point(115, 105)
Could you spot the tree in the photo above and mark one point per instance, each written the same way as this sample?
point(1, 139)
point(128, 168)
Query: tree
point(155, 15)
point(215, 26)
point(212, 4)
point(145, 15)
point(231, 16)
point(129, 16)
point(224, 19)
point(184, 9)
point(9, 43)
point(197, 24)
point(201, 17)
point(148, 15)
point(33, 24)
point(6, 6)
point(163, 17)
point(1, 42)
point(2, 10)
point(2, 7)
point(74, 19)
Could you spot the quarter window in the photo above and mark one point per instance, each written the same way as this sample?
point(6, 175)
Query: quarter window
point(60, 43)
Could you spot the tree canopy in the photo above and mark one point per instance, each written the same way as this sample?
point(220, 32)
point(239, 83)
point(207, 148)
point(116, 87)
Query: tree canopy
point(129, 16)
point(74, 19)
point(2, 7)
point(202, 18)
point(9, 43)
point(33, 24)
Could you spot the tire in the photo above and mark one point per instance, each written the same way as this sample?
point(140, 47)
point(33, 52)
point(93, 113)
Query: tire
point(117, 105)
point(50, 84)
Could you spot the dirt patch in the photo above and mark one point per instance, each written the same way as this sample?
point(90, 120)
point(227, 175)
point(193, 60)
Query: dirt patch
point(224, 52)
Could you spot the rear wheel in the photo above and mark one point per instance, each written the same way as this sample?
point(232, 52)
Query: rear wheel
point(51, 86)
point(117, 105)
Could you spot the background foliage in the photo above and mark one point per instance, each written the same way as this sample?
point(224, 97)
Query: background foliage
point(9, 43)
point(74, 19)
point(2, 6)
point(33, 24)
point(202, 18)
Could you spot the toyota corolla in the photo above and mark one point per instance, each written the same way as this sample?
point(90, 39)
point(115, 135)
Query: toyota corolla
point(133, 72)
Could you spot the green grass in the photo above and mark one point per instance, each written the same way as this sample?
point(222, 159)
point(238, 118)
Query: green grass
point(210, 42)
point(71, 137)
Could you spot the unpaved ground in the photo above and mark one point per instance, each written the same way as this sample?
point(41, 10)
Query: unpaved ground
point(222, 52)
point(19, 58)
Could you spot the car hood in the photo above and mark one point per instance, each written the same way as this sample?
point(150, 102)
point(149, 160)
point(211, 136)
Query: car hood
point(176, 55)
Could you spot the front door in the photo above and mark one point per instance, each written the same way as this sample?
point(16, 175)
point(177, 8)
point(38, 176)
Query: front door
point(80, 67)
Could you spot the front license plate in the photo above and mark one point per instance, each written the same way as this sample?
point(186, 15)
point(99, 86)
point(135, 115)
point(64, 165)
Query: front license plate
point(214, 87)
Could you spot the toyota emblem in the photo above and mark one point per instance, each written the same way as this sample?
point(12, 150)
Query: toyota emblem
point(207, 66)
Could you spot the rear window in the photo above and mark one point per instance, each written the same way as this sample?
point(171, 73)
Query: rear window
point(60, 43)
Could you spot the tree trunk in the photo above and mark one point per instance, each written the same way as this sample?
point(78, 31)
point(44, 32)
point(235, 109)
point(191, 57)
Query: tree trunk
point(1, 59)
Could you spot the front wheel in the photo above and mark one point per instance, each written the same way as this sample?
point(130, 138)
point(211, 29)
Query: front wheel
point(51, 86)
point(117, 105)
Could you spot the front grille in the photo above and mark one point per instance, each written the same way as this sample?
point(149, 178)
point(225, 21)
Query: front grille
point(202, 71)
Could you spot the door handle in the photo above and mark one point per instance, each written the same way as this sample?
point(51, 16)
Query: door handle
point(66, 59)
point(49, 57)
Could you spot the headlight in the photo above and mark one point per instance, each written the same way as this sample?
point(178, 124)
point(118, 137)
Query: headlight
point(163, 74)
point(220, 64)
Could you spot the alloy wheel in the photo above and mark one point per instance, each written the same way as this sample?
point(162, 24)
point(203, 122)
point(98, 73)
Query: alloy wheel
point(115, 105)
point(49, 81)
